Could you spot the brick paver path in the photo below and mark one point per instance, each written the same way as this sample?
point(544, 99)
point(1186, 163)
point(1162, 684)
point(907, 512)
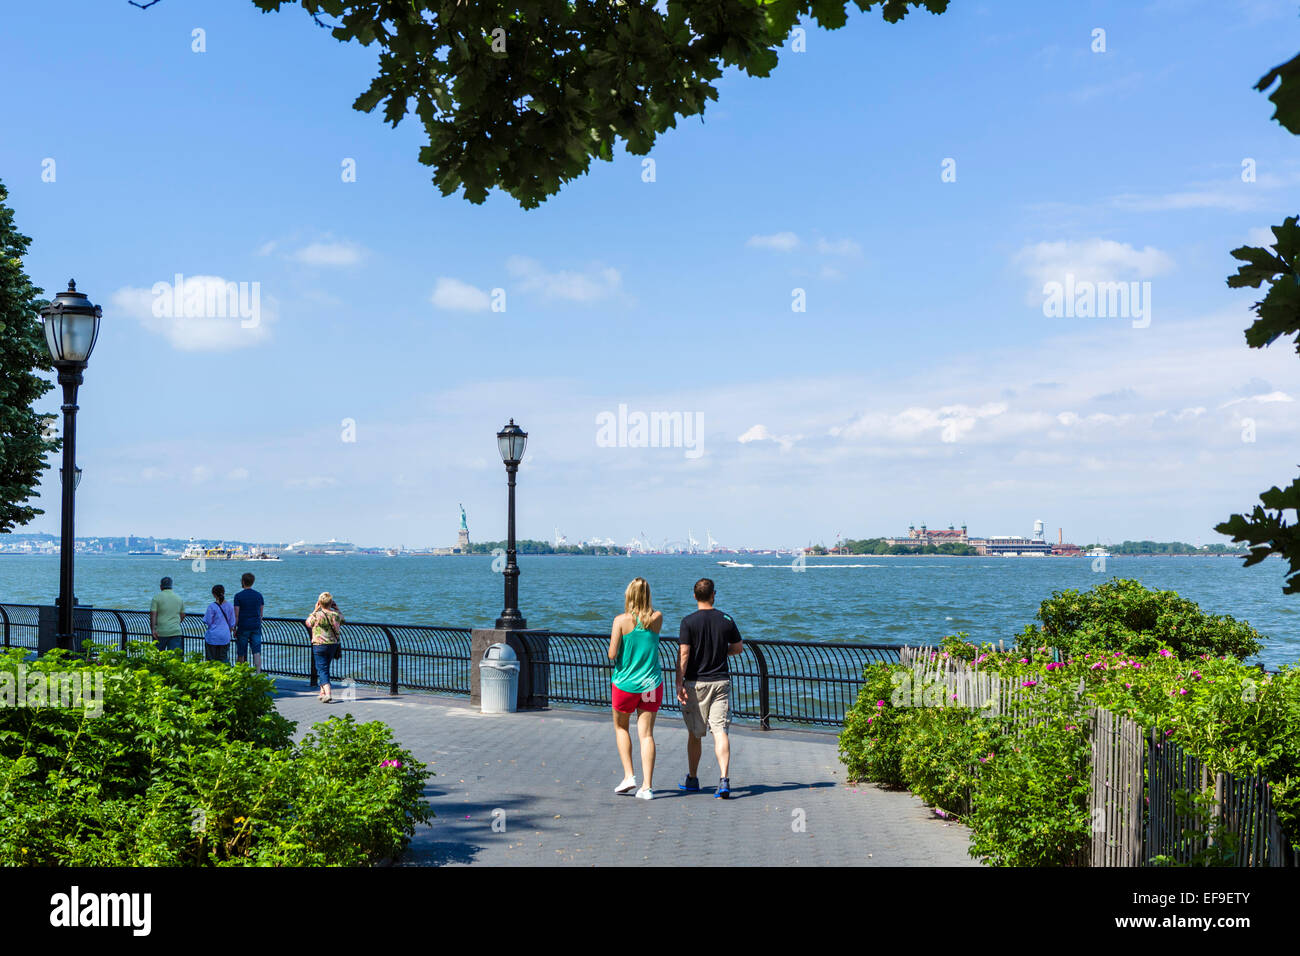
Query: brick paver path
point(549, 777)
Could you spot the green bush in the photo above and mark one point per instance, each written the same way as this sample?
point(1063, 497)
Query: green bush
point(871, 744)
point(944, 745)
point(1122, 615)
point(190, 764)
point(1030, 800)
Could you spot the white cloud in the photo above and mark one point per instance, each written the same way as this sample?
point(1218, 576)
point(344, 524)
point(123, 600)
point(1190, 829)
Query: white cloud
point(778, 241)
point(207, 313)
point(311, 484)
point(1261, 236)
point(238, 474)
point(1088, 260)
point(1268, 398)
point(330, 254)
point(951, 422)
point(457, 296)
point(597, 283)
point(1232, 199)
point(840, 247)
point(761, 433)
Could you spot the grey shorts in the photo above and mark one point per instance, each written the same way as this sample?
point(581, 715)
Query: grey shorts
point(707, 707)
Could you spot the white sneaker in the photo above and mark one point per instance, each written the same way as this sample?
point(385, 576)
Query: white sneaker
point(627, 786)
point(645, 793)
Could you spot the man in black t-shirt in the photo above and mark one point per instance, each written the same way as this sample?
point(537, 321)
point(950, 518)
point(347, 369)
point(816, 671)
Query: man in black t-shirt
point(706, 639)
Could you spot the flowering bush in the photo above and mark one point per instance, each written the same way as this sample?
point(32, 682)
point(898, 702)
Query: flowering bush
point(190, 764)
point(871, 745)
point(1021, 782)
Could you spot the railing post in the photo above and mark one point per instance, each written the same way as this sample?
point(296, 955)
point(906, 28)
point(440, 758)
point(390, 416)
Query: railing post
point(121, 623)
point(311, 659)
point(764, 711)
point(5, 615)
point(392, 661)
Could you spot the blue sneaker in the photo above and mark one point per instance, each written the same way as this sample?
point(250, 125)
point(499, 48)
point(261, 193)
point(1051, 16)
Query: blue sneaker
point(724, 788)
point(689, 784)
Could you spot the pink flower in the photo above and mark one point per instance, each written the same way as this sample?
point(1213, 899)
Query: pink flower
point(1164, 653)
point(1169, 732)
point(880, 703)
point(1024, 660)
point(870, 719)
point(1029, 683)
point(1182, 690)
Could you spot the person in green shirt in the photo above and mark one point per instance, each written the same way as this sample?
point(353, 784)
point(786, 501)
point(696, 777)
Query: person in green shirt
point(166, 611)
point(638, 682)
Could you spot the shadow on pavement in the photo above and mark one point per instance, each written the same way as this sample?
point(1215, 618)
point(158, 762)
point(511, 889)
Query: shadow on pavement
point(757, 790)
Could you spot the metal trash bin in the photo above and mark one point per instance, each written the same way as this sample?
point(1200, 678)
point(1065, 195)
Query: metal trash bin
point(498, 673)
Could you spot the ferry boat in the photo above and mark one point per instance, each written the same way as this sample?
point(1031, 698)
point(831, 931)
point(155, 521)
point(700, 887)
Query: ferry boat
point(222, 553)
point(1097, 553)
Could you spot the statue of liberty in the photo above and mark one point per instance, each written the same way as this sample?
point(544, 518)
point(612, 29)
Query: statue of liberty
point(463, 525)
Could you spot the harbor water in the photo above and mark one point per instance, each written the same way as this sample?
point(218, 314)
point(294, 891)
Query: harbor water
point(870, 599)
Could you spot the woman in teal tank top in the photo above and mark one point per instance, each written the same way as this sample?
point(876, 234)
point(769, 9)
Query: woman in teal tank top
point(638, 682)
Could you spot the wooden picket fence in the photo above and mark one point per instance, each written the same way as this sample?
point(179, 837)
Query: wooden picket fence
point(1136, 776)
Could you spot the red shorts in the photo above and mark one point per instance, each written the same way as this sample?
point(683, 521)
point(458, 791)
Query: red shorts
point(629, 703)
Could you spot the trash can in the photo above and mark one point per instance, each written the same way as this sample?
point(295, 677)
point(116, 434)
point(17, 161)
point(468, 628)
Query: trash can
point(498, 673)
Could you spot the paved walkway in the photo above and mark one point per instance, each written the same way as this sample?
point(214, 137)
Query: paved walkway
point(550, 778)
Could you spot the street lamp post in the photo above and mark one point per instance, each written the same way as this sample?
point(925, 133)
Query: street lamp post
point(71, 328)
point(511, 441)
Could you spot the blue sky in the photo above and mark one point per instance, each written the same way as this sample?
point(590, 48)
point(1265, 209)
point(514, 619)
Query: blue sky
point(923, 382)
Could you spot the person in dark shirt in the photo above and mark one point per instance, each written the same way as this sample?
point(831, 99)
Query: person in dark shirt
point(248, 622)
point(706, 639)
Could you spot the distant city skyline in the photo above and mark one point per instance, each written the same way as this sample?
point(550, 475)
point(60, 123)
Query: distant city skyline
point(986, 163)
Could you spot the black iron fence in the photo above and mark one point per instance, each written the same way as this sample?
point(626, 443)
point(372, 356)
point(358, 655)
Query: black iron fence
point(773, 682)
point(795, 682)
point(396, 656)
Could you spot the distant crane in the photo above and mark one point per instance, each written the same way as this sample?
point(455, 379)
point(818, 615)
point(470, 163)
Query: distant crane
point(691, 544)
point(560, 540)
point(713, 545)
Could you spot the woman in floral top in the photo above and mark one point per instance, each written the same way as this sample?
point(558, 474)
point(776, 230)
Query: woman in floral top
point(326, 625)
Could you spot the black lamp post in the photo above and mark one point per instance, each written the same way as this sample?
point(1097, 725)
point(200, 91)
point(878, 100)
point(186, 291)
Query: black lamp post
point(71, 328)
point(510, 442)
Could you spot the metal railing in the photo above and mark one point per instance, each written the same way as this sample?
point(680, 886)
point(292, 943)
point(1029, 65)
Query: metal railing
point(396, 656)
point(781, 682)
point(794, 682)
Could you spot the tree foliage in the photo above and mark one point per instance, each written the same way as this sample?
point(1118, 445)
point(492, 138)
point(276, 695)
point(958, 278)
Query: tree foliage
point(23, 445)
point(1266, 529)
point(522, 94)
